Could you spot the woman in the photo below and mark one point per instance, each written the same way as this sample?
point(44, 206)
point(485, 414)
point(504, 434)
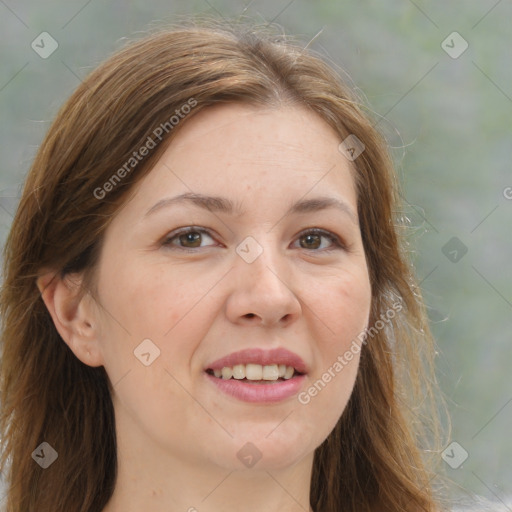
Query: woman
point(206, 303)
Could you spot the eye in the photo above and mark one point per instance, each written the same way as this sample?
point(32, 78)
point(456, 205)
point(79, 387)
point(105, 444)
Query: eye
point(313, 240)
point(190, 238)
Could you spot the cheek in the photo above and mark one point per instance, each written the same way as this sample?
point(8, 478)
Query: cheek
point(152, 379)
point(171, 308)
point(341, 306)
point(344, 309)
point(152, 302)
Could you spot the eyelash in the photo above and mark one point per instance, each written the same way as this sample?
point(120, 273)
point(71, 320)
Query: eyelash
point(338, 244)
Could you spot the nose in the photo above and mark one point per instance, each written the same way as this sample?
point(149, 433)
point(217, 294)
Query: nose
point(262, 292)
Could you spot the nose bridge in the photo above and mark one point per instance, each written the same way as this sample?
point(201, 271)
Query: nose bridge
point(262, 280)
point(262, 260)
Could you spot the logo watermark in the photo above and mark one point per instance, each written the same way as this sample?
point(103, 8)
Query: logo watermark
point(343, 360)
point(151, 143)
point(454, 45)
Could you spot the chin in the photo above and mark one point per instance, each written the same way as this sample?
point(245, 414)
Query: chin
point(259, 453)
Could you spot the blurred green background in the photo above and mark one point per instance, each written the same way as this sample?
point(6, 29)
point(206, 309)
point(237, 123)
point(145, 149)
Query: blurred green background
point(447, 113)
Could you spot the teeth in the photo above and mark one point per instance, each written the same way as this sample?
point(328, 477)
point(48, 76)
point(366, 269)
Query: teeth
point(255, 372)
point(289, 372)
point(271, 372)
point(239, 371)
point(227, 372)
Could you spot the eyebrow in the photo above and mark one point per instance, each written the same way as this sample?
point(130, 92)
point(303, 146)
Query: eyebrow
point(224, 205)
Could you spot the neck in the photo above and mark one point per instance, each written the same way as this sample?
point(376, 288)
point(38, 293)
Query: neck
point(149, 478)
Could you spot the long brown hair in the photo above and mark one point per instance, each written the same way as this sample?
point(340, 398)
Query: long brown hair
point(373, 460)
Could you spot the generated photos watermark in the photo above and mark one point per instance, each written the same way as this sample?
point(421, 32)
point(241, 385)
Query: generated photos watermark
point(151, 143)
point(343, 360)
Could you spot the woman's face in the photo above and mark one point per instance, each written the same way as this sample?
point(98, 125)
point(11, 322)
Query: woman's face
point(258, 279)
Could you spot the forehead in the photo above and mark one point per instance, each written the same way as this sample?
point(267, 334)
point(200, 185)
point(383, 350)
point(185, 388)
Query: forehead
point(292, 131)
point(275, 154)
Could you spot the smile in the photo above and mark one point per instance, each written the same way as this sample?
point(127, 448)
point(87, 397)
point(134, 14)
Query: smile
point(255, 372)
point(258, 375)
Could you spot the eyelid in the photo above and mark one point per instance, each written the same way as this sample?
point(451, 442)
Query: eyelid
point(183, 231)
point(337, 241)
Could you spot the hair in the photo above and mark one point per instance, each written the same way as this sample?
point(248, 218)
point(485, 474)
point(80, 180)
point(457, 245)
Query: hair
point(377, 457)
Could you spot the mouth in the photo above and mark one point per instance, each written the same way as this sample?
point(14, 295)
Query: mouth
point(255, 373)
point(257, 383)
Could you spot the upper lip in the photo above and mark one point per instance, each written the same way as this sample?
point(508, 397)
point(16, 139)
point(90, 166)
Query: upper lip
point(262, 357)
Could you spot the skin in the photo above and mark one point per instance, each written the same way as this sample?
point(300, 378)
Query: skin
point(178, 435)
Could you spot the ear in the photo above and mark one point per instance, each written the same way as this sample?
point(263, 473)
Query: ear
point(74, 314)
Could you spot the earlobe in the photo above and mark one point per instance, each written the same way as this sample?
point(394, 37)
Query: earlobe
point(73, 314)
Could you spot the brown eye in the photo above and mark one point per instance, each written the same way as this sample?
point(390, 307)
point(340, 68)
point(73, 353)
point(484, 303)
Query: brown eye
point(188, 238)
point(193, 237)
point(312, 240)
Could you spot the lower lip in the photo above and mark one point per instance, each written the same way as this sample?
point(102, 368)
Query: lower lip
point(263, 393)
